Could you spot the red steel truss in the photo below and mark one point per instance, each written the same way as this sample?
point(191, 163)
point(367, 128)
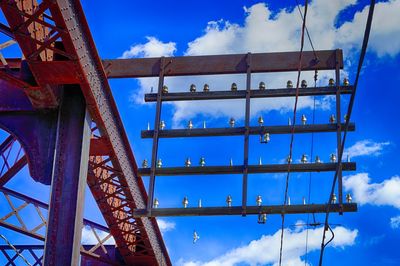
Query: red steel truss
point(58, 49)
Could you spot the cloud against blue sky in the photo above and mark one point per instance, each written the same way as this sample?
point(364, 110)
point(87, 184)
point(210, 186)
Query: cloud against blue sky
point(266, 30)
point(175, 28)
point(262, 28)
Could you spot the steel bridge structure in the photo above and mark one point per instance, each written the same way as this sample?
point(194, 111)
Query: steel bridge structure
point(63, 123)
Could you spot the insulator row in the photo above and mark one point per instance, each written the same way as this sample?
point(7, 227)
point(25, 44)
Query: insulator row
point(261, 85)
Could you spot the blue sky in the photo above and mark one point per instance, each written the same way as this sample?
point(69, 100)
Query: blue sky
point(148, 28)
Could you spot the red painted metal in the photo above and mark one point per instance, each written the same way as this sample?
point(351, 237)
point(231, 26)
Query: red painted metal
point(11, 164)
point(35, 131)
point(36, 253)
point(220, 64)
point(99, 252)
point(106, 187)
point(63, 237)
point(28, 25)
point(13, 170)
point(99, 147)
point(56, 31)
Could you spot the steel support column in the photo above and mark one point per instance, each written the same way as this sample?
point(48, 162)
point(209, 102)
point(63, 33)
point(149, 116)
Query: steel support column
point(69, 180)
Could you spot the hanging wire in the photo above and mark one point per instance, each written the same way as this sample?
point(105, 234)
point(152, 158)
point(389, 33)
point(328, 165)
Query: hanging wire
point(293, 127)
point(308, 33)
point(350, 109)
point(15, 249)
point(313, 121)
point(310, 176)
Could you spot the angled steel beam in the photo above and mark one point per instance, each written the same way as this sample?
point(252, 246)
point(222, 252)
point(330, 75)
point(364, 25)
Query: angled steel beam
point(77, 40)
point(241, 94)
point(13, 170)
point(97, 251)
point(13, 165)
point(6, 30)
point(32, 35)
point(77, 46)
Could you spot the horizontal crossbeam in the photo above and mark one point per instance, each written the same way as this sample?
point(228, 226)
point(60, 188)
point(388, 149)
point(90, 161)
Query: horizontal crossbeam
point(220, 64)
point(250, 210)
point(252, 169)
point(237, 131)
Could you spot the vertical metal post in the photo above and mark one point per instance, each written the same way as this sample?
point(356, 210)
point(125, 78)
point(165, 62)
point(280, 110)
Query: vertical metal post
point(65, 219)
point(154, 150)
point(246, 135)
point(339, 125)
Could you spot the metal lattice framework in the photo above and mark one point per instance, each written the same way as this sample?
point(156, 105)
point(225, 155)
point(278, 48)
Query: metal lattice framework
point(237, 64)
point(58, 50)
point(12, 163)
point(59, 55)
point(18, 202)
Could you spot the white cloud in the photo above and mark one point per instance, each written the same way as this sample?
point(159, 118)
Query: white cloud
point(385, 193)
point(88, 237)
point(152, 48)
point(165, 226)
point(265, 250)
point(385, 33)
point(395, 222)
point(265, 31)
point(366, 147)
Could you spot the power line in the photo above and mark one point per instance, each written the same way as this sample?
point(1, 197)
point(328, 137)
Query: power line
point(313, 120)
point(350, 109)
point(310, 176)
point(308, 33)
point(293, 126)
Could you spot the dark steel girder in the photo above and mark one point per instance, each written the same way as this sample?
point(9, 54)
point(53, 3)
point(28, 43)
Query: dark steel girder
point(237, 131)
point(86, 251)
point(237, 210)
point(76, 44)
point(220, 64)
point(252, 169)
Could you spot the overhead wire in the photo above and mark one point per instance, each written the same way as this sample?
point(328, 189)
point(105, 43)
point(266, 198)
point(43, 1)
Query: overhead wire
point(313, 121)
point(349, 112)
point(310, 175)
point(293, 127)
point(308, 33)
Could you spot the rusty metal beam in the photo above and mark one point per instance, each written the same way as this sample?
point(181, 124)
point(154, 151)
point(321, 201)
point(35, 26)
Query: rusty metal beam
point(250, 210)
point(220, 64)
point(64, 229)
point(43, 205)
point(253, 169)
point(68, 14)
point(97, 252)
point(28, 27)
point(6, 30)
point(13, 170)
point(77, 46)
point(237, 131)
point(86, 259)
point(12, 63)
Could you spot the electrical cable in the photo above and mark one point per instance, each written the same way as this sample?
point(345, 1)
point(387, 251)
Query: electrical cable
point(308, 33)
point(293, 127)
point(310, 176)
point(350, 109)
